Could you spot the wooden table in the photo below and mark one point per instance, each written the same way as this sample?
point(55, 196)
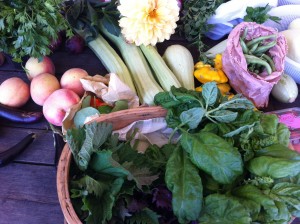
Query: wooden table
point(28, 184)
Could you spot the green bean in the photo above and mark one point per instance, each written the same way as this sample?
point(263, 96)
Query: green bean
point(251, 59)
point(260, 39)
point(270, 61)
point(244, 33)
point(265, 48)
point(244, 47)
point(253, 48)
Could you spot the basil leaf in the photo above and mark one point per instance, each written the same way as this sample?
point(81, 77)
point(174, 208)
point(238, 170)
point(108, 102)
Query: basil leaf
point(192, 117)
point(224, 209)
point(225, 116)
point(237, 103)
point(278, 151)
point(210, 93)
point(283, 134)
point(183, 180)
point(239, 130)
point(214, 155)
point(288, 192)
point(250, 192)
point(273, 167)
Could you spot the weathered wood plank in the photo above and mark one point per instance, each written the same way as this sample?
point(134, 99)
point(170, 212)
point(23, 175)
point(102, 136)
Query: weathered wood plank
point(41, 150)
point(26, 182)
point(25, 212)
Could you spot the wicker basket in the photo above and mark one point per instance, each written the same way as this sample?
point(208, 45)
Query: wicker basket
point(119, 120)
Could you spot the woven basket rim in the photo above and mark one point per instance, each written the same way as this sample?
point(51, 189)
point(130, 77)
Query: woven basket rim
point(119, 120)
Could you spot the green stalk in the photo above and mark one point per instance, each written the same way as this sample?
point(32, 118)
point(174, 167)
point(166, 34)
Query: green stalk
point(162, 72)
point(142, 76)
point(111, 60)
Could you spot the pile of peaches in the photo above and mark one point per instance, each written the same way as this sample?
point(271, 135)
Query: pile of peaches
point(45, 89)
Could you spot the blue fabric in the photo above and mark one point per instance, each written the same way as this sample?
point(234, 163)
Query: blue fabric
point(220, 30)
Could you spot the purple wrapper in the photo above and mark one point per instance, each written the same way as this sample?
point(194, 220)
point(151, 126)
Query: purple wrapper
point(257, 88)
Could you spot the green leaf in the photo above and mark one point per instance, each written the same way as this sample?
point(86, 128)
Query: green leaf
point(111, 24)
point(225, 116)
point(288, 193)
point(283, 134)
point(273, 167)
point(224, 209)
point(142, 176)
point(192, 117)
point(95, 135)
point(237, 103)
point(250, 192)
point(184, 182)
point(102, 162)
point(210, 93)
point(100, 211)
point(91, 185)
point(146, 216)
point(214, 155)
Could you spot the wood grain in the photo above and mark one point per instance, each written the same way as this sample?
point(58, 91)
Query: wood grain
point(28, 212)
point(25, 182)
point(36, 151)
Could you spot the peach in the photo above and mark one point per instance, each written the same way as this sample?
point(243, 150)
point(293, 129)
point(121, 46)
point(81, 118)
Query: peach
point(34, 67)
point(14, 92)
point(57, 104)
point(71, 80)
point(42, 86)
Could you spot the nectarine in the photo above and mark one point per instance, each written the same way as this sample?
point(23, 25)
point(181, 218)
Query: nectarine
point(42, 86)
point(57, 104)
point(71, 80)
point(14, 92)
point(34, 67)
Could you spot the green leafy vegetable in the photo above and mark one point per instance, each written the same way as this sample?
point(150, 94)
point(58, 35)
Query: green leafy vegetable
point(213, 155)
point(94, 135)
point(28, 27)
point(183, 180)
point(195, 14)
point(273, 167)
point(259, 15)
point(224, 209)
point(230, 164)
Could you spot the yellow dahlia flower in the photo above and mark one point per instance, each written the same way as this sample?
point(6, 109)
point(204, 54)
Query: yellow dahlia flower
point(148, 21)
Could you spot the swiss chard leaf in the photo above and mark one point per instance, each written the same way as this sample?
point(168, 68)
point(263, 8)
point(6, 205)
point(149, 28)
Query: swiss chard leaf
point(184, 182)
point(214, 155)
point(224, 209)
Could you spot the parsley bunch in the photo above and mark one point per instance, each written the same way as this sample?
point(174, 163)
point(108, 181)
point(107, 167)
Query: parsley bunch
point(27, 27)
point(260, 15)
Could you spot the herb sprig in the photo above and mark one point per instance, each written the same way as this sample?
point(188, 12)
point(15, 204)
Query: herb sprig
point(259, 14)
point(28, 27)
point(195, 14)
